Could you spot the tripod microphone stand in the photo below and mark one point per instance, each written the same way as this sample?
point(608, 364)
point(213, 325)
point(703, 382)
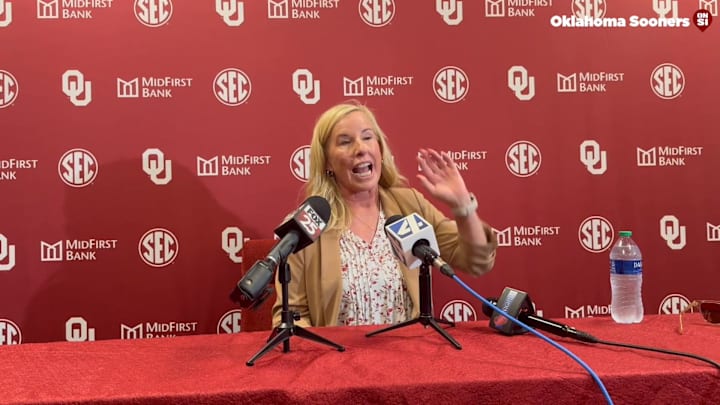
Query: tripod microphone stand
point(426, 317)
point(287, 328)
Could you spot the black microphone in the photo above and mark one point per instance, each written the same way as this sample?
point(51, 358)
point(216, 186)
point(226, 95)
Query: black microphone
point(413, 238)
point(300, 230)
point(519, 305)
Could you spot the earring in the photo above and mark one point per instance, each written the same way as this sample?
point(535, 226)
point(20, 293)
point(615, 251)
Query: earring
point(330, 173)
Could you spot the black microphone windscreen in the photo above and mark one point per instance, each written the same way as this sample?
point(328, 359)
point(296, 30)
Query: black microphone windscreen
point(486, 309)
point(393, 219)
point(321, 206)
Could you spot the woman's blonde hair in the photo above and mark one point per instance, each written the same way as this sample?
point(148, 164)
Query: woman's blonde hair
point(322, 184)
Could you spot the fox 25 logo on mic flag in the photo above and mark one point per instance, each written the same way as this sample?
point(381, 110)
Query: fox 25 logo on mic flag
point(310, 221)
point(404, 233)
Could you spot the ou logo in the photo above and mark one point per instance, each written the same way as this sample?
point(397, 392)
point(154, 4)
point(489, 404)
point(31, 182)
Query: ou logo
point(667, 81)
point(377, 13)
point(596, 234)
point(158, 247)
point(523, 158)
point(153, 13)
point(232, 87)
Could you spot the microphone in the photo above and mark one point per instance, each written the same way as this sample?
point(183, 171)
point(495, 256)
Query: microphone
point(413, 241)
point(519, 305)
point(302, 228)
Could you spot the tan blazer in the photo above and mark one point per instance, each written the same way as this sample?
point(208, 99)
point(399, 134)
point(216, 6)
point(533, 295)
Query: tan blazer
point(315, 287)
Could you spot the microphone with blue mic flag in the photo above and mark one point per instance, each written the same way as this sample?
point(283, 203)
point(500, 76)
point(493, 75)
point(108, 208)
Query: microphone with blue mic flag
point(414, 243)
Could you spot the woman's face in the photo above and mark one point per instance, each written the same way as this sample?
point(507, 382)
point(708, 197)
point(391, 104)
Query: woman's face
point(353, 154)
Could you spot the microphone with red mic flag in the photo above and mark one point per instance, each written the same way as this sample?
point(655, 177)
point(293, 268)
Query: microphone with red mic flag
point(300, 230)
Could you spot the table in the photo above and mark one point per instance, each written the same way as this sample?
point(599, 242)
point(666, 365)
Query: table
point(405, 366)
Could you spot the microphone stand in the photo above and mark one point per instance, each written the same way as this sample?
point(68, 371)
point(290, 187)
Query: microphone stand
point(287, 328)
point(426, 317)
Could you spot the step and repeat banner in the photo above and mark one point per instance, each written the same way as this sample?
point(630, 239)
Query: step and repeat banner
point(143, 142)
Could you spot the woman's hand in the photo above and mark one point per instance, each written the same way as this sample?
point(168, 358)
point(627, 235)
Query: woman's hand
point(442, 179)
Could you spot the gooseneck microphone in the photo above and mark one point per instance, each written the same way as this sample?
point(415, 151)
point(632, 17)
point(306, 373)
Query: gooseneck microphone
point(302, 228)
point(413, 241)
point(519, 305)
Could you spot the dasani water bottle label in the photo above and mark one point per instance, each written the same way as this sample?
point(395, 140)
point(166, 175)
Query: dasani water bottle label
point(626, 266)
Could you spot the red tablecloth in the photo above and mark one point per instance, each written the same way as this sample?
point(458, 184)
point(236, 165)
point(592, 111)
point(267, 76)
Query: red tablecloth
point(406, 366)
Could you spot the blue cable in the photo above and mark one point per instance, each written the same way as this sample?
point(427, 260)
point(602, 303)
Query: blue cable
point(540, 335)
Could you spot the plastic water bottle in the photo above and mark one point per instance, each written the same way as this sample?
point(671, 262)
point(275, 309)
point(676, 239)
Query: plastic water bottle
point(626, 280)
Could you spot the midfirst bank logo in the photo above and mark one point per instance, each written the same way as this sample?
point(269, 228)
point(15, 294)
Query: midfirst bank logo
point(9, 333)
point(158, 247)
point(523, 235)
point(74, 250)
point(156, 166)
point(231, 11)
point(450, 10)
point(153, 13)
point(70, 9)
point(451, 84)
point(9, 167)
point(7, 254)
point(514, 8)
point(299, 9)
point(666, 155)
point(151, 87)
point(458, 311)
point(587, 311)
point(232, 243)
point(148, 330)
point(372, 86)
point(521, 83)
point(463, 158)
point(596, 234)
point(305, 86)
point(587, 82)
point(523, 158)
point(78, 90)
point(78, 167)
point(376, 13)
point(300, 163)
point(5, 13)
point(673, 304)
point(8, 89)
point(230, 165)
point(713, 232)
point(592, 157)
point(230, 322)
point(709, 5)
point(672, 232)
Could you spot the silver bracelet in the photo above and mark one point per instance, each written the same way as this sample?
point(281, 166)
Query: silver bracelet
point(468, 209)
